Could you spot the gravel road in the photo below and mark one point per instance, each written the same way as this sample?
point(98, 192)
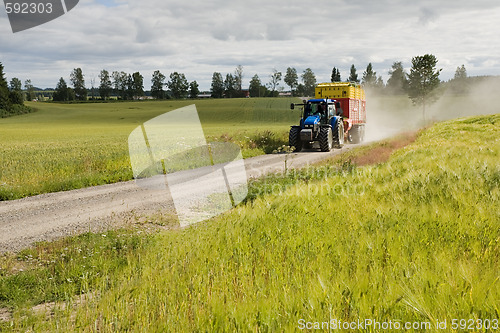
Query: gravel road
point(50, 216)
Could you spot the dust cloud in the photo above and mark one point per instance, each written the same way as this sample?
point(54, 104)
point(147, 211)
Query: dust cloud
point(389, 115)
point(483, 98)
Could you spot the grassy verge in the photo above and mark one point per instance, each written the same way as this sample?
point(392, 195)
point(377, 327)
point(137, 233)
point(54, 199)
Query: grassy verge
point(56, 271)
point(415, 239)
point(367, 155)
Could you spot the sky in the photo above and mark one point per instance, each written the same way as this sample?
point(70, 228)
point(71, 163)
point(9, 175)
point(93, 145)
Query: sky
point(200, 37)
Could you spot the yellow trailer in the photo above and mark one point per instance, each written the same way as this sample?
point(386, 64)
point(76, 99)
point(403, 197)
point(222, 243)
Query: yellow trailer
point(338, 90)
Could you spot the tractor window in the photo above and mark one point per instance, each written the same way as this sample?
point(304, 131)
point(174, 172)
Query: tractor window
point(311, 109)
point(330, 111)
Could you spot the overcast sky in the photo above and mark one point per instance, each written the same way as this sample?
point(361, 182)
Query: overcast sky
point(199, 37)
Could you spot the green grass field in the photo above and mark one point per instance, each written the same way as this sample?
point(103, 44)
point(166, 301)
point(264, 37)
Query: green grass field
point(415, 239)
point(67, 146)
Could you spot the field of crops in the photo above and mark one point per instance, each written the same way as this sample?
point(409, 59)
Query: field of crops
point(68, 146)
point(416, 239)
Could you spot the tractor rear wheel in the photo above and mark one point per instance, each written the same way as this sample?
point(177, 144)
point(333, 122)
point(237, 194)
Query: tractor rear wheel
point(338, 134)
point(325, 138)
point(294, 139)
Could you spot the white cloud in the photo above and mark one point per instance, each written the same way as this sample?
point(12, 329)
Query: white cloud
point(200, 37)
point(427, 16)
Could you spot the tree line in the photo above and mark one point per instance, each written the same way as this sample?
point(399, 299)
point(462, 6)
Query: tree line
point(12, 96)
point(126, 86)
point(130, 86)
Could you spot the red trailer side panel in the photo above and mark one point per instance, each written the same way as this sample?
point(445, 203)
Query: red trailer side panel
point(354, 109)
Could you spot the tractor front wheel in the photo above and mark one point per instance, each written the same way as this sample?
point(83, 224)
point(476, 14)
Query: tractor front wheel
point(294, 139)
point(325, 138)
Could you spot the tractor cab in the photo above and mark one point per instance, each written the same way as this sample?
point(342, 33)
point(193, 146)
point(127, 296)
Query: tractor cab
point(320, 108)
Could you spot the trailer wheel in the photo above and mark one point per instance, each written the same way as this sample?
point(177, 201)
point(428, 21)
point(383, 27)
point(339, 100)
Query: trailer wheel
point(338, 134)
point(356, 134)
point(294, 139)
point(325, 138)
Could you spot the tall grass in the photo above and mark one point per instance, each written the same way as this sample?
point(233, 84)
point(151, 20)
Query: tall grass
point(413, 239)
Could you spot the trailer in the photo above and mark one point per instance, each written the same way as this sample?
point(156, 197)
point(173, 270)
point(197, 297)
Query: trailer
point(351, 97)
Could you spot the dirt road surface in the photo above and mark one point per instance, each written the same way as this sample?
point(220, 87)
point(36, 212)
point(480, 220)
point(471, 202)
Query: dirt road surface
point(50, 216)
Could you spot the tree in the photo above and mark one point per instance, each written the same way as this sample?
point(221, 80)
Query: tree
point(423, 80)
point(116, 82)
point(16, 95)
point(291, 78)
point(255, 85)
point(397, 82)
point(120, 80)
point(353, 77)
point(78, 82)
point(459, 82)
point(369, 77)
point(275, 80)
point(263, 91)
point(62, 93)
point(301, 90)
point(5, 103)
point(194, 90)
point(30, 90)
point(157, 83)
point(238, 78)
point(217, 88)
point(105, 86)
point(336, 75)
point(460, 73)
point(380, 83)
point(129, 92)
point(309, 80)
point(178, 85)
point(137, 85)
point(15, 84)
point(92, 87)
point(229, 86)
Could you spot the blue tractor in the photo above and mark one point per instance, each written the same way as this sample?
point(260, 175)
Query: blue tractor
point(321, 122)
